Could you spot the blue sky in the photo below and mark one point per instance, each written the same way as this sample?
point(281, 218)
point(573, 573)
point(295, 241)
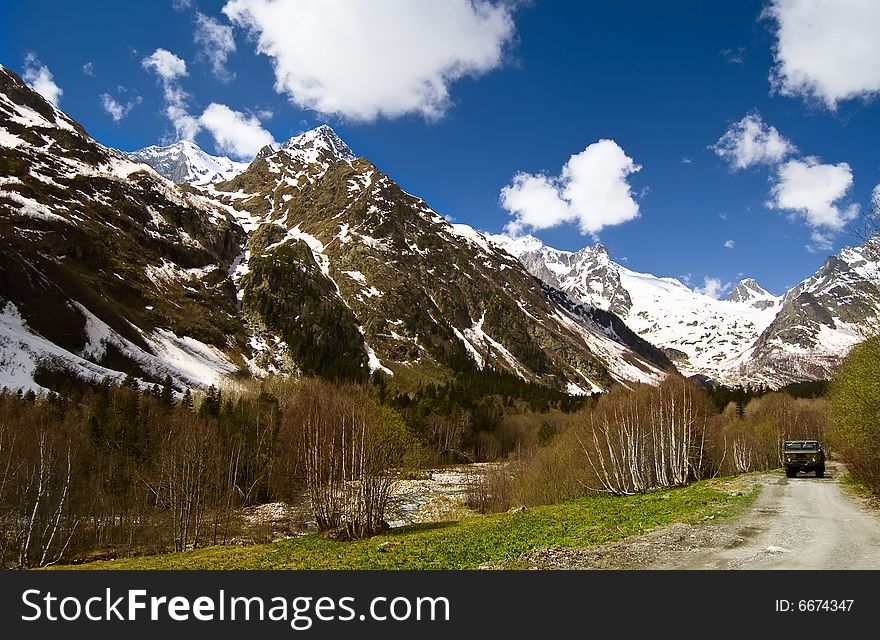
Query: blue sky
point(453, 100)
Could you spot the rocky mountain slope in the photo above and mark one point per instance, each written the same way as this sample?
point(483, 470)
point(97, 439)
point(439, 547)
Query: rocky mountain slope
point(106, 268)
point(394, 285)
point(821, 319)
point(310, 261)
point(185, 162)
point(750, 337)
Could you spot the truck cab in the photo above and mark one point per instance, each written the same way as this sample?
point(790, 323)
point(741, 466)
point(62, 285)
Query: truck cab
point(803, 455)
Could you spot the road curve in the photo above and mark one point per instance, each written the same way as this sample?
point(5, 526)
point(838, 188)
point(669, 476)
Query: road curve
point(796, 523)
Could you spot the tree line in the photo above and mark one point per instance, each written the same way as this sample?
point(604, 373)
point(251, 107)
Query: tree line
point(639, 438)
point(121, 470)
point(124, 469)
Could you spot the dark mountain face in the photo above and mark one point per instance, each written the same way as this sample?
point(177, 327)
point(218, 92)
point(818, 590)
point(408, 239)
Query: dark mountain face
point(422, 292)
point(106, 267)
point(310, 261)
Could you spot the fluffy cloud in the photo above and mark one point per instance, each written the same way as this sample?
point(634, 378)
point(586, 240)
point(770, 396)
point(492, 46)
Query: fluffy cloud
point(89, 69)
point(385, 58)
point(167, 66)
point(815, 191)
point(181, 5)
point(40, 79)
point(712, 287)
point(235, 133)
point(217, 42)
point(826, 51)
point(169, 69)
point(730, 244)
point(116, 109)
point(750, 141)
point(591, 190)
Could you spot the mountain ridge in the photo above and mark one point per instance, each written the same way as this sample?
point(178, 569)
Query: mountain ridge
point(186, 162)
point(750, 337)
point(309, 262)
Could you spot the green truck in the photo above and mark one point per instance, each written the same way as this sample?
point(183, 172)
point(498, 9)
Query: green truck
point(803, 455)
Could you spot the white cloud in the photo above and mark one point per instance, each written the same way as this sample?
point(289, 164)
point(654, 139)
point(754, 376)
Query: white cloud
point(820, 242)
point(384, 58)
point(116, 109)
point(814, 191)
point(235, 133)
point(826, 51)
point(712, 287)
point(181, 5)
point(166, 65)
point(875, 199)
point(89, 69)
point(40, 79)
point(592, 190)
point(730, 244)
point(169, 69)
point(687, 160)
point(217, 42)
point(750, 141)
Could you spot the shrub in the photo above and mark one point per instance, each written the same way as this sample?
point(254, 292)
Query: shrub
point(854, 407)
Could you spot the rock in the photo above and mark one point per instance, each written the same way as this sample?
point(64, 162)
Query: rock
point(519, 509)
point(385, 547)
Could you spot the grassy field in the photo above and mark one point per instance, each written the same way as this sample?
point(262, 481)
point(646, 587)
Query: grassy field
point(468, 543)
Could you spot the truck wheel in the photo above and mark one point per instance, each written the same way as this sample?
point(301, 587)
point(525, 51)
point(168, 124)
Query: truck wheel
point(790, 473)
point(820, 472)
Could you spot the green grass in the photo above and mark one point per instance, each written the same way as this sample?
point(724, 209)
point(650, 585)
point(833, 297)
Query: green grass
point(468, 543)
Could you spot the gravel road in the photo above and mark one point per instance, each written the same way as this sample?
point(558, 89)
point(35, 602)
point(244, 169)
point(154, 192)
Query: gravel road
point(796, 523)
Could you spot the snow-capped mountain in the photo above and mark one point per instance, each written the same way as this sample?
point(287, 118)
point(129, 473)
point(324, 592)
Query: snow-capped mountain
point(822, 318)
point(749, 292)
point(751, 336)
point(107, 269)
point(311, 261)
point(398, 285)
point(700, 334)
point(185, 162)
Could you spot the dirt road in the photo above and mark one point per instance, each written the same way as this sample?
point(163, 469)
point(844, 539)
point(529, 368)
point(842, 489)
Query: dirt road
point(796, 523)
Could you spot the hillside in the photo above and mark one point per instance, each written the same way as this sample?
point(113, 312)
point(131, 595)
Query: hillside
point(309, 262)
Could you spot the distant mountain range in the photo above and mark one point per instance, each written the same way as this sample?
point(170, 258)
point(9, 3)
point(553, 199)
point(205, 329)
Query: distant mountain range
point(750, 337)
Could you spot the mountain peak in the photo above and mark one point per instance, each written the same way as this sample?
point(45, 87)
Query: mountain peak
point(517, 246)
point(749, 292)
point(265, 152)
point(319, 144)
point(746, 290)
point(186, 162)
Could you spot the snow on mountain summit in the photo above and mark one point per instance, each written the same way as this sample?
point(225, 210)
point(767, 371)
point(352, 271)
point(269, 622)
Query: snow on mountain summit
point(319, 145)
point(186, 162)
point(749, 292)
point(700, 334)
